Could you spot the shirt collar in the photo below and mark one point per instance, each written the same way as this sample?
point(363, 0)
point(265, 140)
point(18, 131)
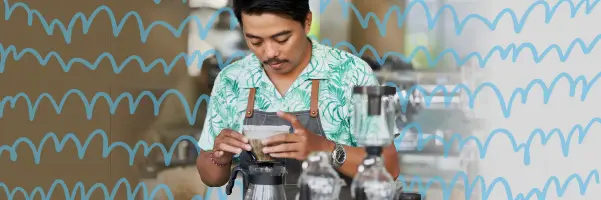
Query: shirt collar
point(318, 67)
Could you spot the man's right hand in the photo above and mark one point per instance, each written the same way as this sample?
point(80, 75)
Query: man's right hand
point(228, 143)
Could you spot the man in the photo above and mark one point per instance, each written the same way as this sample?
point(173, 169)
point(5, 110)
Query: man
point(288, 80)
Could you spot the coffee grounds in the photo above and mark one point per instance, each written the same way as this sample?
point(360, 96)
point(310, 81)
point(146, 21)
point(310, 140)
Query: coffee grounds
point(257, 149)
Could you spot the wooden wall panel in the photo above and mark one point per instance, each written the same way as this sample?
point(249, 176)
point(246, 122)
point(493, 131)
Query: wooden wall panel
point(27, 75)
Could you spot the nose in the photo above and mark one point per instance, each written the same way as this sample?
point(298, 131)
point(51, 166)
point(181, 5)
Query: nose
point(271, 51)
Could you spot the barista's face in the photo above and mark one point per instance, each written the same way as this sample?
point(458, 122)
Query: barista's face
point(279, 42)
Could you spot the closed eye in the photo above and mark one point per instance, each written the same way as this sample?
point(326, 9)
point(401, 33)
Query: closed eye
point(283, 41)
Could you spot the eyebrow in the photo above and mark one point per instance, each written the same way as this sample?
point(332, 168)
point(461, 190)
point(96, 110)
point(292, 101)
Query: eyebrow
point(286, 32)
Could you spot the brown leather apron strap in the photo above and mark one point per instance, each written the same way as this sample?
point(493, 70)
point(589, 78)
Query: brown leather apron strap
point(314, 98)
point(251, 102)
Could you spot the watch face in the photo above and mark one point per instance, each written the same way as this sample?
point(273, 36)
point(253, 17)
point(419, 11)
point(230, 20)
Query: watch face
point(340, 156)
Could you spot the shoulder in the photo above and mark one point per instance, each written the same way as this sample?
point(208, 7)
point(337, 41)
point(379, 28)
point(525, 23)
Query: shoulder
point(353, 69)
point(235, 71)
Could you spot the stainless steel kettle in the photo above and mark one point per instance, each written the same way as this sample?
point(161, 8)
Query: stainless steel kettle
point(261, 181)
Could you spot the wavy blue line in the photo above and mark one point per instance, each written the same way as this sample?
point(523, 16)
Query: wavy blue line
point(133, 104)
point(67, 30)
point(482, 147)
point(85, 195)
point(518, 23)
point(83, 148)
point(191, 113)
point(512, 50)
point(505, 105)
point(117, 68)
point(486, 190)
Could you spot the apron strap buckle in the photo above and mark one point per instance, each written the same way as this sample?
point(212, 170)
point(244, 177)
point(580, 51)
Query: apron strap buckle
point(251, 102)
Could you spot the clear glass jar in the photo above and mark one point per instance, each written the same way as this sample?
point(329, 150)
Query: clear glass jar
point(319, 180)
point(266, 183)
point(373, 182)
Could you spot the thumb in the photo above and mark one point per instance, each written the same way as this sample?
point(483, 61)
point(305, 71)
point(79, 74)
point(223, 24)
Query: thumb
point(290, 118)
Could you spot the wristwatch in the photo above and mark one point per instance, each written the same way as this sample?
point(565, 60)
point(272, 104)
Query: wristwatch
point(338, 156)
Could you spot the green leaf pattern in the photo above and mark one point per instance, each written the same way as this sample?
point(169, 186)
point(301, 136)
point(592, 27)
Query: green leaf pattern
point(337, 70)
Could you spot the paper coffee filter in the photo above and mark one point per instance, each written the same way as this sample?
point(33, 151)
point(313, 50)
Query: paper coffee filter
point(255, 131)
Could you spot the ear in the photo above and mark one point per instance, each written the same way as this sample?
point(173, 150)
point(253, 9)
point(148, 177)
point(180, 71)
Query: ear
point(308, 21)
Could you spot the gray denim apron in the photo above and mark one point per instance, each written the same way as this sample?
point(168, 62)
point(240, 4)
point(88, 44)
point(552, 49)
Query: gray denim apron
point(310, 119)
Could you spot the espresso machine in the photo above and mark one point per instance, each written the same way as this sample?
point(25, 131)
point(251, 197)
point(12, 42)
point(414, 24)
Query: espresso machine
point(262, 180)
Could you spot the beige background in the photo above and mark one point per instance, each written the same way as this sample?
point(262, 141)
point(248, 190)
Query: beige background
point(29, 76)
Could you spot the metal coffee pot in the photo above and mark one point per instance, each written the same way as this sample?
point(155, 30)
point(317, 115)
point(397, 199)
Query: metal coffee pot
point(262, 180)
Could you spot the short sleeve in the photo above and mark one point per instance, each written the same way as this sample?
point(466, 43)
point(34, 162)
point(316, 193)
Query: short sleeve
point(217, 116)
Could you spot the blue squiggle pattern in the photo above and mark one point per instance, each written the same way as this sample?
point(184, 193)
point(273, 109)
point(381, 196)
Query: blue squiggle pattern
point(86, 194)
point(66, 65)
point(545, 137)
point(191, 111)
point(512, 51)
point(518, 23)
point(486, 189)
point(67, 30)
point(483, 145)
point(505, 104)
point(83, 148)
point(113, 104)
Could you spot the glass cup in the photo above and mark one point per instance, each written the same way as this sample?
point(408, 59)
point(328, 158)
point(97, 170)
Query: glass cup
point(256, 134)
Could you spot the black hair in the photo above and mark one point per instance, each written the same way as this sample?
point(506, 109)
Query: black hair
point(375, 66)
point(297, 10)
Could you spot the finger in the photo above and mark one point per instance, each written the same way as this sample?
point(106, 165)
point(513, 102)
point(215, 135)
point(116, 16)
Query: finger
point(218, 154)
point(290, 118)
point(227, 148)
point(236, 135)
point(281, 138)
point(282, 148)
point(236, 143)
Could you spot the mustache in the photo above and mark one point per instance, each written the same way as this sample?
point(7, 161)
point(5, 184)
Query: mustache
point(273, 61)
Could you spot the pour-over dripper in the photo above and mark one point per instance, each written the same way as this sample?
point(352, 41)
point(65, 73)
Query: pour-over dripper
point(256, 135)
point(374, 115)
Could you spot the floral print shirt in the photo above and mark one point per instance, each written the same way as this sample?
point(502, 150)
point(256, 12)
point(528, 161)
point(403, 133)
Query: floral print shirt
point(337, 70)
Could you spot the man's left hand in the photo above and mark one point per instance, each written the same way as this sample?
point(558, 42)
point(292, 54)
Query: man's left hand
point(297, 145)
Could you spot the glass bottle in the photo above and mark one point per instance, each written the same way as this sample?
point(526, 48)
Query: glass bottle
point(373, 182)
point(373, 127)
point(319, 180)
